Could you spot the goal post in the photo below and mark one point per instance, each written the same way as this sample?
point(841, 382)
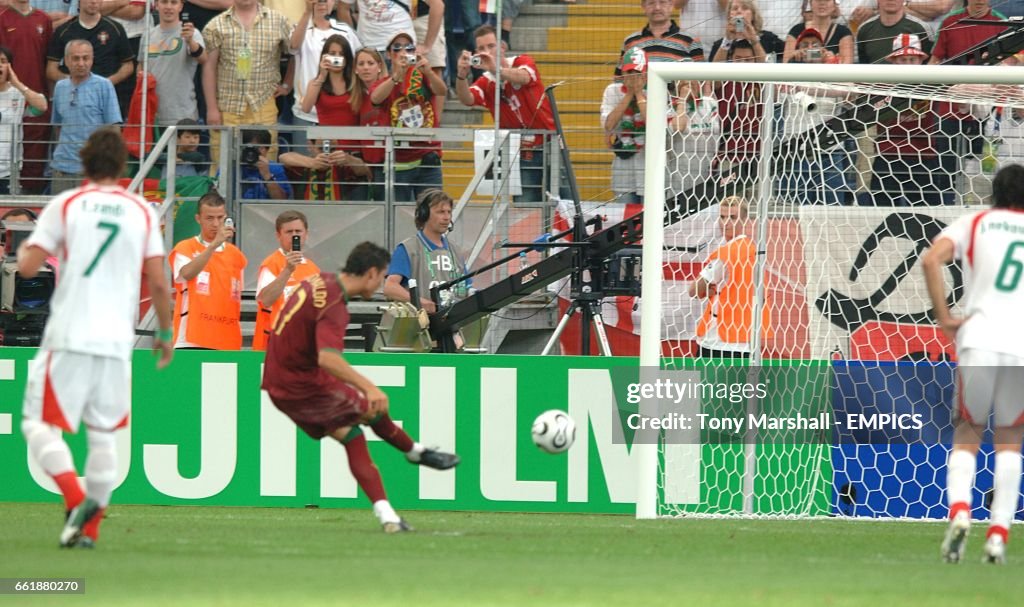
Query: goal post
point(814, 197)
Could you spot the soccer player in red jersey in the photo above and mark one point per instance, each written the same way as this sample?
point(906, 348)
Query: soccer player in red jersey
point(309, 380)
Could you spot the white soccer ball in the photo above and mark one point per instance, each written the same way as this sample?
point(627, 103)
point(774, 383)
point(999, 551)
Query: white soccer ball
point(554, 431)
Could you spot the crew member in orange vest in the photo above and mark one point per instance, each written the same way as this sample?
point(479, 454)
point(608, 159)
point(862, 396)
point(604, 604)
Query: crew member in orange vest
point(727, 282)
point(280, 273)
point(207, 273)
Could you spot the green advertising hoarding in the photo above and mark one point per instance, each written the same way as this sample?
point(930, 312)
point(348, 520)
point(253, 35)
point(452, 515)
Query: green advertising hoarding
point(202, 433)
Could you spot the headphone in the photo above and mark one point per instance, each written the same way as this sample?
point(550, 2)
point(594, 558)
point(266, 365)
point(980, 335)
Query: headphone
point(426, 199)
point(20, 211)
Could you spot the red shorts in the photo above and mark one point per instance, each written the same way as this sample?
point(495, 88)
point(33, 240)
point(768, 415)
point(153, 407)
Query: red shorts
point(338, 406)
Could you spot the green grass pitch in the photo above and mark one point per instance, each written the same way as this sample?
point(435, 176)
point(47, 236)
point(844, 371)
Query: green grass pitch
point(259, 556)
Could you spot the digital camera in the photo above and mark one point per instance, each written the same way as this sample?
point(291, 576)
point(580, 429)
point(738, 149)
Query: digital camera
point(475, 61)
point(336, 61)
point(250, 155)
point(812, 54)
point(739, 24)
point(410, 58)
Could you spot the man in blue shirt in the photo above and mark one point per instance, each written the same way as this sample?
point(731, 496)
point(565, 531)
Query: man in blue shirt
point(260, 178)
point(81, 104)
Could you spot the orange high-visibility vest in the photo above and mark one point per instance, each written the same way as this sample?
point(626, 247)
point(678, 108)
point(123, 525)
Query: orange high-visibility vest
point(735, 299)
point(214, 297)
point(266, 318)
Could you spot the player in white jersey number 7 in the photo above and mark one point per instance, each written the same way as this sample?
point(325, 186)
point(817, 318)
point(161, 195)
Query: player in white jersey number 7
point(990, 355)
point(107, 240)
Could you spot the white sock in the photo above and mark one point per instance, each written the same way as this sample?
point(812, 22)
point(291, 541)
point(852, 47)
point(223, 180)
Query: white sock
point(101, 467)
point(47, 447)
point(960, 470)
point(1006, 486)
point(385, 513)
point(414, 454)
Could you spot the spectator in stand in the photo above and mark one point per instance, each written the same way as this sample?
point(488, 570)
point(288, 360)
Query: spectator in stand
point(954, 38)
point(191, 161)
point(876, 35)
point(291, 9)
point(661, 39)
point(381, 20)
point(461, 18)
point(780, 15)
point(260, 178)
point(741, 107)
point(113, 58)
point(131, 14)
point(929, 12)
point(623, 111)
point(428, 24)
point(175, 50)
point(704, 19)
point(523, 104)
point(199, 13)
point(82, 103)
point(337, 102)
point(16, 99)
point(907, 167)
point(509, 11)
point(327, 174)
point(764, 43)
point(370, 71)
point(26, 31)
point(314, 29)
point(409, 94)
point(814, 175)
point(961, 131)
point(835, 37)
point(57, 11)
point(242, 75)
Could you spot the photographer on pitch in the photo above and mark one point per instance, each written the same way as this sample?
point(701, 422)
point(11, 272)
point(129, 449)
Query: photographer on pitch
point(207, 271)
point(260, 178)
point(281, 272)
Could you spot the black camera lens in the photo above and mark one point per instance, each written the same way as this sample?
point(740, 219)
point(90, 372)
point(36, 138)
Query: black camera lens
point(250, 156)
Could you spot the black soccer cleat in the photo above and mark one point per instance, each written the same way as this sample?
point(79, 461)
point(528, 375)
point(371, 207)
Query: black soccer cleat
point(438, 460)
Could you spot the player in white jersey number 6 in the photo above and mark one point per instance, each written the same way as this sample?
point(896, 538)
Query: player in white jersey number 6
point(990, 351)
point(107, 240)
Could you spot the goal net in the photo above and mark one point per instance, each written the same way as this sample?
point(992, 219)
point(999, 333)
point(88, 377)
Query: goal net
point(791, 317)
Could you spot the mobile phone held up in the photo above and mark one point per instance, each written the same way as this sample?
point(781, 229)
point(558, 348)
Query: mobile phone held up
point(296, 243)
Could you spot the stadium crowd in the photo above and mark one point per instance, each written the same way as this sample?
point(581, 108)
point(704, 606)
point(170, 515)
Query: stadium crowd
point(388, 63)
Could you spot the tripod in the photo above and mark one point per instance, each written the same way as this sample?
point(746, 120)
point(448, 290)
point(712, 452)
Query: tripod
point(589, 305)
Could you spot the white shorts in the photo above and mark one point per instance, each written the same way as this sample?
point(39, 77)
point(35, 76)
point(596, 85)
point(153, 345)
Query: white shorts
point(437, 55)
point(67, 388)
point(990, 383)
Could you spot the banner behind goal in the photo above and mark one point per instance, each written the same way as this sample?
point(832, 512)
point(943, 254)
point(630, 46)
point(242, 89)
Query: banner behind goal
point(844, 173)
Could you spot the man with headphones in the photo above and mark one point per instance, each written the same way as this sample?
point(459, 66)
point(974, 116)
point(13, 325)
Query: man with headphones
point(426, 257)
